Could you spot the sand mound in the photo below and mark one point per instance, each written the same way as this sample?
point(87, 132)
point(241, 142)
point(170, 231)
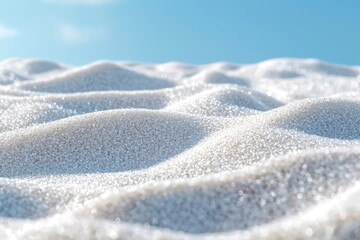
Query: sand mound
point(36, 67)
point(225, 102)
point(238, 200)
point(332, 118)
point(217, 77)
point(101, 76)
point(293, 68)
point(100, 142)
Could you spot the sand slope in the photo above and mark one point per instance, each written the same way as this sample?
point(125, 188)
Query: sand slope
point(121, 150)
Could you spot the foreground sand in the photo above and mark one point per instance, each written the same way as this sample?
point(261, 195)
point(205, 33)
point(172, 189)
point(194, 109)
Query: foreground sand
point(119, 150)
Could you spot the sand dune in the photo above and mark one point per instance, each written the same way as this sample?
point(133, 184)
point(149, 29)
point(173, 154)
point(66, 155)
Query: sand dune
point(101, 76)
point(122, 150)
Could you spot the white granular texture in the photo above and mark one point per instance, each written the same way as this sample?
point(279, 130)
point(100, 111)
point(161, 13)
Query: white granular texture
point(121, 150)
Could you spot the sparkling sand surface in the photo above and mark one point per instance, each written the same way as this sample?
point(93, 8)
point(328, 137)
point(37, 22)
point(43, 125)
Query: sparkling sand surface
point(121, 150)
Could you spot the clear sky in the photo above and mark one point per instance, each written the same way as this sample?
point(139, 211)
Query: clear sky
point(192, 31)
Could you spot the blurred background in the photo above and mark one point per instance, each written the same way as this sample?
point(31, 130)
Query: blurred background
point(191, 31)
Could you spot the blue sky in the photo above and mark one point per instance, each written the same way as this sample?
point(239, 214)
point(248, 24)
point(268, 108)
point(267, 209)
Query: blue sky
point(192, 31)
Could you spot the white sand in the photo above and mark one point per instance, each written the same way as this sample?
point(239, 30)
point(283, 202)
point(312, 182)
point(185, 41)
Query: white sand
point(120, 150)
